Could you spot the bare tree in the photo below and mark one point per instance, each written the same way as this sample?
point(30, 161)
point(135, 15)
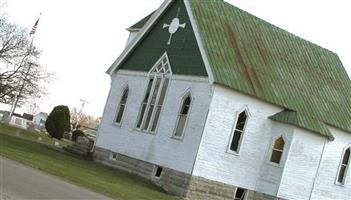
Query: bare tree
point(83, 119)
point(33, 107)
point(19, 67)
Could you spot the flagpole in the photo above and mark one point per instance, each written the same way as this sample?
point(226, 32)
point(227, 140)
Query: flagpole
point(18, 94)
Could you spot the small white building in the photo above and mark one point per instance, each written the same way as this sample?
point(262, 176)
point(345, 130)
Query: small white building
point(40, 119)
point(211, 102)
point(19, 121)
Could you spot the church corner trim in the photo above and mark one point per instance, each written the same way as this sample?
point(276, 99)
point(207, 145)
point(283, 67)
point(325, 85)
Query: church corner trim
point(199, 41)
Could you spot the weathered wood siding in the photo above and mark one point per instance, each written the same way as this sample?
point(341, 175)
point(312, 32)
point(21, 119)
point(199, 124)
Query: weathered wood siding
point(306, 171)
point(251, 168)
point(159, 149)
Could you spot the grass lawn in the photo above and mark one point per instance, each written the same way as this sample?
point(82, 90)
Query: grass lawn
point(30, 135)
point(94, 176)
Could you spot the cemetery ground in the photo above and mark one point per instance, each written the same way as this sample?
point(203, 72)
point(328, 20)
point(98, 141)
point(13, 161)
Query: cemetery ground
point(23, 146)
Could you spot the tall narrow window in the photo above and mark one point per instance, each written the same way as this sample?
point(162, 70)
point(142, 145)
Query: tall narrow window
point(182, 117)
point(122, 106)
point(238, 131)
point(277, 150)
point(155, 95)
point(345, 162)
point(144, 104)
point(157, 171)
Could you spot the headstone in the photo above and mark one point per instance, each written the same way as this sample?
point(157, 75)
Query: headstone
point(82, 140)
point(18, 132)
point(57, 143)
point(40, 139)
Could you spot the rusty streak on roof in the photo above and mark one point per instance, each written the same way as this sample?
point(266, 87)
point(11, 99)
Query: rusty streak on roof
point(257, 58)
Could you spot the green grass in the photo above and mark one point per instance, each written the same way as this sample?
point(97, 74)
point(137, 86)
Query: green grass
point(94, 176)
point(31, 135)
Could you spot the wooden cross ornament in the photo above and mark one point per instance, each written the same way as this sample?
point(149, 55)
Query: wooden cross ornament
point(173, 27)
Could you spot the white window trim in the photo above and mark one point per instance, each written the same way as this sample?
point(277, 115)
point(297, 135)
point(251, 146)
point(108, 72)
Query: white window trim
point(154, 76)
point(246, 192)
point(164, 100)
point(119, 106)
point(185, 95)
point(154, 171)
point(347, 168)
point(271, 146)
point(141, 104)
point(160, 60)
point(111, 156)
point(148, 104)
point(246, 109)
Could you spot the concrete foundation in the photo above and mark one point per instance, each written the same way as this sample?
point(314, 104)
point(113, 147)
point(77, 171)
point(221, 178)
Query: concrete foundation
point(172, 181)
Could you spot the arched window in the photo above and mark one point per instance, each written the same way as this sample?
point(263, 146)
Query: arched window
point(122, 106)
point(344, 165)
point(182, 117)
point(159, 76)
point(238, 131)
point(277, 150)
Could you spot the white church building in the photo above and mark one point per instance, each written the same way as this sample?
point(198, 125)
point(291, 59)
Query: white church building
point(211, 102)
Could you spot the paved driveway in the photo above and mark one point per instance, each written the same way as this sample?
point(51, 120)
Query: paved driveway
point(18, 181)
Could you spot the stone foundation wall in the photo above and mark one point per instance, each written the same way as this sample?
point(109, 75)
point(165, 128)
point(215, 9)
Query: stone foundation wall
point(260, 196)
point(174, 182)
point(124, 163)
point(201, 188)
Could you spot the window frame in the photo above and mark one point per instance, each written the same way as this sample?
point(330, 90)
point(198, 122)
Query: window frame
point(185, 96)
point(154, 172)
point(113, 157)
point(154, 75)
point(246, 192)
point(272, 148)
point(125, 88)
point(248, 116)
point(341, 164)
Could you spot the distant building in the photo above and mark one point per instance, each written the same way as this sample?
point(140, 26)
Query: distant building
point(211, 102)
point(27, 116)
point(3, 115)
point(19, 121)
point(39, 120)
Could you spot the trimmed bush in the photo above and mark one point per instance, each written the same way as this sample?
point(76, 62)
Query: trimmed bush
point(58, 122)
point(76, 134)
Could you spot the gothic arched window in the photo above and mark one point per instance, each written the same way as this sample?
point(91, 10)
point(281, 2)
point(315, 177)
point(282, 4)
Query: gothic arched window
point(238, 131)
point(151, 106)
point(182, 117)
point(344, 165)
point(277, 151)
point(122, 106)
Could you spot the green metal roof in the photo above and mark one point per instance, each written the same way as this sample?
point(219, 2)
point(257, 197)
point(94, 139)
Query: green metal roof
point(303, 121)
point(140, 23)
point(264, 61)
point(255, 57)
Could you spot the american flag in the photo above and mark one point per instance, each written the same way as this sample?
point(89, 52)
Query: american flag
point(34, 27)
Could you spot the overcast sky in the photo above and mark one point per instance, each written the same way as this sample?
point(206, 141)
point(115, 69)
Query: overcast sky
point(80, 39)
